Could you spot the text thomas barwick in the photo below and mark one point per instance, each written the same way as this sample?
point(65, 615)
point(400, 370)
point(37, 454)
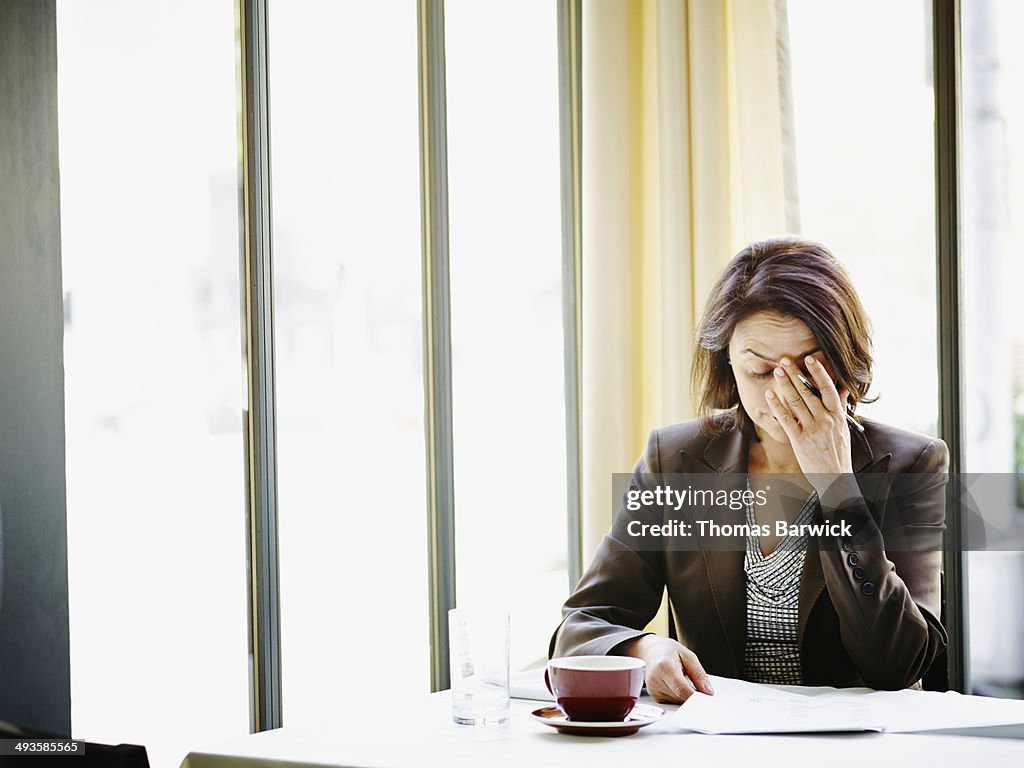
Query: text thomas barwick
point(711, 528)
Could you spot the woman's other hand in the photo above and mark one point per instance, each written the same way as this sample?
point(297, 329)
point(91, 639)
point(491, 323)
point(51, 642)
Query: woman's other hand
point(673, 671)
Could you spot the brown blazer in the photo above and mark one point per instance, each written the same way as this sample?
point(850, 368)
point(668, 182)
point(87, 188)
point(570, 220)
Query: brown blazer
point(884, 636)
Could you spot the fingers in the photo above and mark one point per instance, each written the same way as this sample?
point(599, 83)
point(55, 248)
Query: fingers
point(829, 396)
point(844, 398)
point(786, 419)
point(675, 674)
point(666, 681)
point(800, 401)
point(694, 671)
point(671, 691)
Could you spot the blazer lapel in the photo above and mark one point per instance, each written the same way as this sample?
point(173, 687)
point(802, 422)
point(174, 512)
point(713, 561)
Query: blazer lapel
point(726, 453)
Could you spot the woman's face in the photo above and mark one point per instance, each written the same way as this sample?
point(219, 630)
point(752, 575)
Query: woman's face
point(758, 344)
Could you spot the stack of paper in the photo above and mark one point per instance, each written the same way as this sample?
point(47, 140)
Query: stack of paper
point(742, 707)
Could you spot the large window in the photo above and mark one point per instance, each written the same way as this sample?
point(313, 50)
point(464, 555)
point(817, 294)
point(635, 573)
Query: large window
point(508, 385)
point(349, 336)
point(992, 118)
point(865, 165)
point(155, 400)
point(155, 472)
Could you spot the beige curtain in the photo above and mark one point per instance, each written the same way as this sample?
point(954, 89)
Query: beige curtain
point(686, 158)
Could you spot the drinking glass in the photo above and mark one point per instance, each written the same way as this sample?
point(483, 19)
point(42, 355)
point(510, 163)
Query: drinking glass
point(478, 639)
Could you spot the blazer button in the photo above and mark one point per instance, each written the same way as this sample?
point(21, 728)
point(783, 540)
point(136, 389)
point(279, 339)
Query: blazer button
point(847, 544)
point(858, 574)
point(867, 588)
point(852, 559)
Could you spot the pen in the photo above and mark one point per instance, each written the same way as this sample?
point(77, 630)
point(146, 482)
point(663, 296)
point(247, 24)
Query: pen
point(817, 393)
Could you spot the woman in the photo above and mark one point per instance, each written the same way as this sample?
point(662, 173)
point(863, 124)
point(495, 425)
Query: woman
point(813, 609)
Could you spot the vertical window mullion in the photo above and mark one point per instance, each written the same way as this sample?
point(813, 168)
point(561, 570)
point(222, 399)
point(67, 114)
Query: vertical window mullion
point(570, 92)
point(260, 423)
point(946, 37)
point(437, 334)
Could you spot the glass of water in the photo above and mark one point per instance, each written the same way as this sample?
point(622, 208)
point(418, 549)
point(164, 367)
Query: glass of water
point(478, 639)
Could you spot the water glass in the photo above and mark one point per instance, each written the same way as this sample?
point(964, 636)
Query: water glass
point(478, 640)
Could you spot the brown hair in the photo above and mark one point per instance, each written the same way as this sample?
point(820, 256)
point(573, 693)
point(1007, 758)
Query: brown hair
point(793, 278)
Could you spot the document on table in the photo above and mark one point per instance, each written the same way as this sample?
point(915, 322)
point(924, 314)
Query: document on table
point(742, 707)
point(529, 684)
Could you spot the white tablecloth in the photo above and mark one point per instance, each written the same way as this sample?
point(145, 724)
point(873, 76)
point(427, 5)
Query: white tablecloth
point(419, 731)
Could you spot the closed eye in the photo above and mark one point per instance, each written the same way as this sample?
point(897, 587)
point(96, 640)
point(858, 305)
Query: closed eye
point(764, 375)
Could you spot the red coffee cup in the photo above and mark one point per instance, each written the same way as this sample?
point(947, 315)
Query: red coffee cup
point(601, 689)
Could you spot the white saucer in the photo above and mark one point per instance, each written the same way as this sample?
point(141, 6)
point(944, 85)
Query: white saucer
point(642, 714)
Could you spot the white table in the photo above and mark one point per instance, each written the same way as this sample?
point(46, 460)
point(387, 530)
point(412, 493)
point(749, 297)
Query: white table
point(419, 732)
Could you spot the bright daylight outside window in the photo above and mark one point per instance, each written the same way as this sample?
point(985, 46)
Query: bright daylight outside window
point(862, 103)
point(349, 342)
point(155, 473)
point(155, 447)
point(992, 120)
point(508, 382)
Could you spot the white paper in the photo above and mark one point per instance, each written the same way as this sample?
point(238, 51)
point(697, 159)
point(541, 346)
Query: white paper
point(909, 711)
point(742, 707)
point(529, 684)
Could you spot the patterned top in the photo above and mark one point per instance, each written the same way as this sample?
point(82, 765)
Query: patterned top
point(772, 654)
